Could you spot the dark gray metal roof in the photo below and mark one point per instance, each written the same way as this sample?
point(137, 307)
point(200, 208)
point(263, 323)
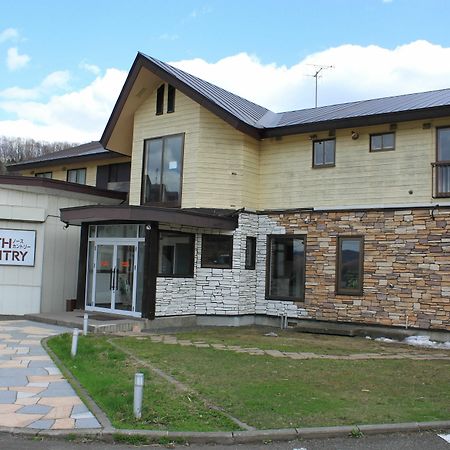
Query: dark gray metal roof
point(387, 105)
point(266, 123)
point(91, 150)
point(242, 109)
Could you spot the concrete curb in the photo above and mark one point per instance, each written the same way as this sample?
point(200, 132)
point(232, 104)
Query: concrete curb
point(236, 437)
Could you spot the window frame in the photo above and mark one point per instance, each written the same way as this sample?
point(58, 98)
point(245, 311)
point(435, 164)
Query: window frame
point(250, 259)
point(159, 110)
point(77, 170)
point(349, 291)
point(44, 175)
point(192, 255)
point(284, 237)
point(206, 265)
point(382, 149)
point(170, 204)
point(170, 99)
point(320, 166)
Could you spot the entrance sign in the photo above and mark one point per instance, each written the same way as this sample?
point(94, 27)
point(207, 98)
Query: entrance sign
point(17, 247)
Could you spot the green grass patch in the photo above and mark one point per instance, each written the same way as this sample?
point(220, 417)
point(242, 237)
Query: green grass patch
point(268, 392)
point(108, 375)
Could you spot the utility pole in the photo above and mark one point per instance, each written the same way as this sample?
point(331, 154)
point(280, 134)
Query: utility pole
point(318, 69)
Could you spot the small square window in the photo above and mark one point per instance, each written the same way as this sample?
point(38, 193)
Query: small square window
point(44, 174)
point(382, 142)
point(324, 153)
point(217, 251)
point(349, 267)
point(76, 176)
point(250, 253)
point(176, 254)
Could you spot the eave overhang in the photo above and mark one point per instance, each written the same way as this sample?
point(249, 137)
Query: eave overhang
point(57, 185)
point(145, 214)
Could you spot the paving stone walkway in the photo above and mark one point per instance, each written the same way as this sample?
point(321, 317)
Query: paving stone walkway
point(412, 353)
point(33, 392)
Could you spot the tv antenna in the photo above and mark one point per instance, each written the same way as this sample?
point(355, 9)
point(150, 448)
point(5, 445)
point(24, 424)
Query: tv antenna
point(318, 68)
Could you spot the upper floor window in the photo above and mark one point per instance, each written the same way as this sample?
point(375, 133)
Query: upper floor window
point(162, 171)
point(170, 99)
point(382, 142)
point(441, 168)
point(76, 176)
point(349, 268)
point(160, 100)
point(44, 174)
point(115, 177)
point(324, 153)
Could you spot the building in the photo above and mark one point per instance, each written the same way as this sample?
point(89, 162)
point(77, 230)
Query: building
point(338, 213)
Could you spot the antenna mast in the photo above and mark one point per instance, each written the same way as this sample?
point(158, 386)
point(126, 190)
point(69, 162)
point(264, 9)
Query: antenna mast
point(318, 69)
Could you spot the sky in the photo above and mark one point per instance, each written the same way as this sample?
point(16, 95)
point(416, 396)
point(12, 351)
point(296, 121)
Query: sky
point(63, 63)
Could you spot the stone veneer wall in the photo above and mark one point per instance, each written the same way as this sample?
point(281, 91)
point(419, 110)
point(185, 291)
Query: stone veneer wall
point(406, 266)
point(212, 291)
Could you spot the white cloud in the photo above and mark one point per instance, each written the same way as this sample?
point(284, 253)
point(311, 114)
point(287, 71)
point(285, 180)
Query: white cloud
point(8, 34)
point(77, 116)
point(168, 37)
point(14, 60)
point(92, 68)
point(359, 73)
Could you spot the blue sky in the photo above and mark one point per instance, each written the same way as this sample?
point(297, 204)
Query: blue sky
point(59, 59)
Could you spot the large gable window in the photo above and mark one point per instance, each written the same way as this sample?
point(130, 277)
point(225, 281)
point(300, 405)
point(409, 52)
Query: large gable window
point(163, 160)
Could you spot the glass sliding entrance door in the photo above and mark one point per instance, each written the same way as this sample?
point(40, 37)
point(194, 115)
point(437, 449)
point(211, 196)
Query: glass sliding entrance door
point(111, 279)
point(104, 276)
point(123, 287)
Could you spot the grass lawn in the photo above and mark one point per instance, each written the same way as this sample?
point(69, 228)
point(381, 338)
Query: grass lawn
point(262, 391)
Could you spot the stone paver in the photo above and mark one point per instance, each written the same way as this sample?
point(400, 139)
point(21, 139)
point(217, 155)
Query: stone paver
point(33, 392)
point(405, 354)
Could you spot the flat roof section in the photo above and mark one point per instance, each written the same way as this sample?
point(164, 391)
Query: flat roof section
point(145, 214)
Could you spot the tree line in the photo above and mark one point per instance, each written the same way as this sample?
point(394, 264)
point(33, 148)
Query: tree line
point(16, 149)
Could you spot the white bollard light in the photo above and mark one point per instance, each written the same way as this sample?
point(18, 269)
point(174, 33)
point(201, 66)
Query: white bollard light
point(85, 324)
point(138, 393)
point(73, 350)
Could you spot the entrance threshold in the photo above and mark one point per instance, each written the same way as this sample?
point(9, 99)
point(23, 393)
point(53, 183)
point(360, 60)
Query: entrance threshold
point(98, 322)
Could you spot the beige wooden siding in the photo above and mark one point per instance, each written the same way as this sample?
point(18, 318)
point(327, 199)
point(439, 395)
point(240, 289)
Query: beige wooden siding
point(59, 172)
point(360, 177)
point(148, 125)
point(220, 164)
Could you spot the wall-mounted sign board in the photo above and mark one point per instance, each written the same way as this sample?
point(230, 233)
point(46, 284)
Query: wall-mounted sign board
point(17, 247)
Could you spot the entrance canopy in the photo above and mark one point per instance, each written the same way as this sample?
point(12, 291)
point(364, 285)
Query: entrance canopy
point(218, 219)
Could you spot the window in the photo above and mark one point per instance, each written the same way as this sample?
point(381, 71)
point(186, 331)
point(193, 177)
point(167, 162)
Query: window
point(163, 159)
point(250, 253)
point(442, 164)
point(324, 153)
point(286, 267)
point(160, 100)
point(115, 177)
point(382, 142)
point(170, 99)
point(349, 277)
point(44, 174)
point(176, 254)
point(217, 251)
point(76, 176)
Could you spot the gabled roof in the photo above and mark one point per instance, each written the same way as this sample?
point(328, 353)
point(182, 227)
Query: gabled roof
point(89, 151)
point(261, 123)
